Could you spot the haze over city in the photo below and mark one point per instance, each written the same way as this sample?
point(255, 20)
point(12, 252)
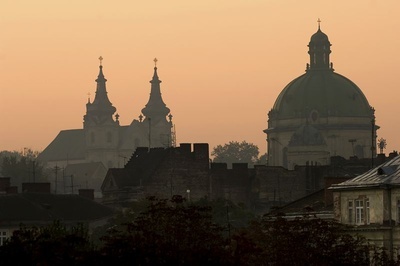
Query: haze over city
point(222, 63)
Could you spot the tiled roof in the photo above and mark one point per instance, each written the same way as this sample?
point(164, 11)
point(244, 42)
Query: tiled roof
point(32, 207)
point(385, 174)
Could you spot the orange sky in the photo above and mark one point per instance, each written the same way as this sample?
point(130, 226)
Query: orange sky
point(222, 63)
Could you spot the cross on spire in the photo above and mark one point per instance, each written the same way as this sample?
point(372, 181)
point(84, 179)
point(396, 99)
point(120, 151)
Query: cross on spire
point(319, 23)
point(101, 60)
point(155, 62)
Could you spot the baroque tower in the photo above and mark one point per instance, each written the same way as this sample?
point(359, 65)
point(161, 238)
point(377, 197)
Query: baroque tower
point(100, 127)
point(155, 116)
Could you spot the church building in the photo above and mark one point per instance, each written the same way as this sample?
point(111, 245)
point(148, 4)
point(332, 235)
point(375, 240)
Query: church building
point(320, 114)
point(103, 140)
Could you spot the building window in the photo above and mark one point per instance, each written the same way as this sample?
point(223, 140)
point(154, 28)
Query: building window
point(360, 211)
point(351, 212)
point(3, 237)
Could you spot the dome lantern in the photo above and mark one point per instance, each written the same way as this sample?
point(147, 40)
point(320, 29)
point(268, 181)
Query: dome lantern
point(319, 50)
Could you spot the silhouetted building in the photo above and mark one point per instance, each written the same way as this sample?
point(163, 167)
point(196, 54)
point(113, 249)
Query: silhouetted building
point(103, 139)
point(182, 171)
point(36, 206)
point(320, 114)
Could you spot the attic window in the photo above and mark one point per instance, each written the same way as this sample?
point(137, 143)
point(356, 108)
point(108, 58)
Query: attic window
point(386, 170)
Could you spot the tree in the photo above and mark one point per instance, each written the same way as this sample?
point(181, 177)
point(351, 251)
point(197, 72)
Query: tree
point(169, 232)
point(236, 152)
point(48, 245)
point(303, 241)
point(22, 166)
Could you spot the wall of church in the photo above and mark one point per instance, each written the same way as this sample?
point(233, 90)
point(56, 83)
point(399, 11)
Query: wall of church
point(344, 136)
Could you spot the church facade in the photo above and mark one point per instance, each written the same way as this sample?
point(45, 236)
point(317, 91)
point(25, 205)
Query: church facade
point(320, 114)
point(103, 139)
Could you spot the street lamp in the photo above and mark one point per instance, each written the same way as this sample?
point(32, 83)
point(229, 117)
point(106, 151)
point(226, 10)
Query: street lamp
point(188, 194)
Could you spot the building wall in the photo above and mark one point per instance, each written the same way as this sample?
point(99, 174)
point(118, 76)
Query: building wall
point(336, 137)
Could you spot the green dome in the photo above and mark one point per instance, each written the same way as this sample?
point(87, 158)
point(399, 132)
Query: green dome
point(326, 92)
point(320, 92)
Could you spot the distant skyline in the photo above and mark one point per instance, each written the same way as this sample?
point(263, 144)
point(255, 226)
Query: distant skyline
point(222, 63)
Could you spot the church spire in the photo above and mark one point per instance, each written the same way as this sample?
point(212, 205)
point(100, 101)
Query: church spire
point(155, 108)
point(319, 50)
point(101, 109)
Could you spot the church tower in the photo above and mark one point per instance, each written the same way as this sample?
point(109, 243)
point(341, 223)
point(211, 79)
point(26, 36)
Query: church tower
point(155, 116)
point(101, 129)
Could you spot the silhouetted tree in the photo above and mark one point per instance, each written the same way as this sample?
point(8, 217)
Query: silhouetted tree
point(303, 241)
point(168, 233)
point(48, 245)
point(22, 167)
point(236, 152)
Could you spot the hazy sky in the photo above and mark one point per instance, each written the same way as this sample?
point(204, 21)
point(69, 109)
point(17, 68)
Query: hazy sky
point(222, 63)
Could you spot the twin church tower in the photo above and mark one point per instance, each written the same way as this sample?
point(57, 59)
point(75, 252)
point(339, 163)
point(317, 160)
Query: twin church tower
point(103, 139)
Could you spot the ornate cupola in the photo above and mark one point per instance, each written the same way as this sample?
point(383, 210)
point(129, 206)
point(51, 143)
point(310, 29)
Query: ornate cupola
point(155, 109)
point(319, 50)
point(101, 110)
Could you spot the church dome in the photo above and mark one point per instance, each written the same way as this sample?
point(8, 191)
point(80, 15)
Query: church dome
point(320, 90)
point(325, 92)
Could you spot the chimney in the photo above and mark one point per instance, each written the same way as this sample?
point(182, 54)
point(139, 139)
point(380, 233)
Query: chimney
point(4, 184)
point(36, 188)
point(380, 159)
point(12, 190)
point(86, 193)
point(392, 154)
